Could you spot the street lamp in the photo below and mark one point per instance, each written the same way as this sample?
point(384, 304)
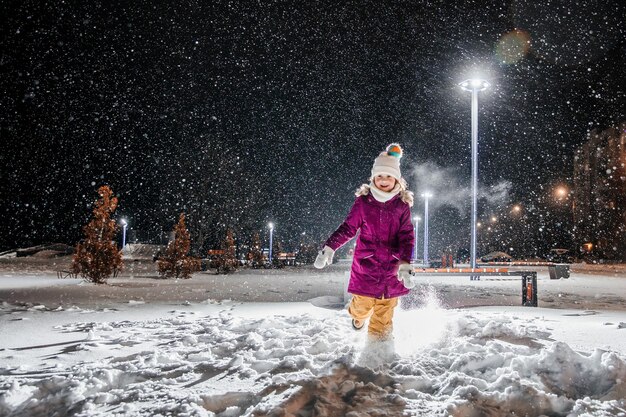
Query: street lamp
point(271, 226)
point(561, 192)
point(474, 86)
point(426, 196)
point(417, 222)
point(124, 224)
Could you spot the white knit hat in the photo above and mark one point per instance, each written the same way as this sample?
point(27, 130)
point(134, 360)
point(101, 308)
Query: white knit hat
point(388, 162)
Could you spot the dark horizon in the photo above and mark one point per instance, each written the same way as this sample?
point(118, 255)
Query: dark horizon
point(239, 114)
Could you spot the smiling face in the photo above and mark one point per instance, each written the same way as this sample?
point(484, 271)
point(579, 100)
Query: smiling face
point(384, 182)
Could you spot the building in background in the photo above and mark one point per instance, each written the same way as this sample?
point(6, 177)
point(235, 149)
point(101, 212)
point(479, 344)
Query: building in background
point(599, 194)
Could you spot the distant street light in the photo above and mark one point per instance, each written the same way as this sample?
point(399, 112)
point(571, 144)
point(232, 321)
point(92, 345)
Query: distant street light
point(561, 192)
point(417, 222)
point(517, 208)
point(426, 196)
point(474, 86)
point(124, 224)
point(271, 226)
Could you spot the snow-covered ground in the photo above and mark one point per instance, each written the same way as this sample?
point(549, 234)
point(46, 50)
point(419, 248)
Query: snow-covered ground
point(272, 343)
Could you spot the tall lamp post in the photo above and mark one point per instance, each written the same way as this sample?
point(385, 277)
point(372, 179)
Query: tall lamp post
point(271, 226)
point(426, 196)
point(417, 222)
point(474, 86)
point(124, 224)
point(566, 213)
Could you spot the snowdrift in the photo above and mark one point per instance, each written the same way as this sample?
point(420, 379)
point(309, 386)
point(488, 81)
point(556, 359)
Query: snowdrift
point(226, 359)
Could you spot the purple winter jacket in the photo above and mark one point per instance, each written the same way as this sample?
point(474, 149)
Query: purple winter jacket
point(386, 238)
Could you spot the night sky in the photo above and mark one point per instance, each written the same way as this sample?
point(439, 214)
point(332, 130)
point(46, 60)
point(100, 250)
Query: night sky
point(241, 113)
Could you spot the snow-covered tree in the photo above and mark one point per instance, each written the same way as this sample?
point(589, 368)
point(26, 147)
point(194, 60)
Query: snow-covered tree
point(277, 248)
point(227, 261)
point(97, 256)
point(255, 255)
point(176, 262)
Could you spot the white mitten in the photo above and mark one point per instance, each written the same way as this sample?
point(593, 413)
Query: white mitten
point(324, 257)
point(404, 275)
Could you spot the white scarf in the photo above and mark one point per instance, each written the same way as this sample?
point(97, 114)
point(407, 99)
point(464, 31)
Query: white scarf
point(384, 196)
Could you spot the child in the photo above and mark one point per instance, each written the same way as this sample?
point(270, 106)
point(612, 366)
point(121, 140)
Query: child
point(380, 269)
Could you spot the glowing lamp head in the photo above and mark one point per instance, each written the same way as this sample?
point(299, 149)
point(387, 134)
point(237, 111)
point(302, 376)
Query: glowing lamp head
point(427, 195)
point(271, 226)
point(561, 192)
point(124, 222)
point(474, 84)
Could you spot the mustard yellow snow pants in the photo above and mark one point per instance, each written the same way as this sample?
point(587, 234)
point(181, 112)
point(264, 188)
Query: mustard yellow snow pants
point(380, 310)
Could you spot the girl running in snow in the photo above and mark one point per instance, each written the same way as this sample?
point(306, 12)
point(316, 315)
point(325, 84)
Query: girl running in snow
point(380, 269)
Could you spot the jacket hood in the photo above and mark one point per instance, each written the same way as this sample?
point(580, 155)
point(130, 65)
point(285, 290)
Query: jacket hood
point(405, 195)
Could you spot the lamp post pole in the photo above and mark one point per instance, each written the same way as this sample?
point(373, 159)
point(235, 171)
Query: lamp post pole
point(417, 222)
point(271, 240)
point(124, 224)
point(426, 197)
point(474, 86)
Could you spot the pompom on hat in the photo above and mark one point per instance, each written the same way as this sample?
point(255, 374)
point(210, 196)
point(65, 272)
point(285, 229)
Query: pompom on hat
point(388, 162)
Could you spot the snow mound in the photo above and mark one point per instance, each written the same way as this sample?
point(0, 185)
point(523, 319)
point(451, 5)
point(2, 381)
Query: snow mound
point(46, 251)
point(229, 364)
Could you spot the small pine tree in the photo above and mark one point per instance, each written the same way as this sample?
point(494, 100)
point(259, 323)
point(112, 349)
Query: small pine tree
point(277, 248)
point(176, 262)
point(97, 256)
point(227, 262)
point(255, 256)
